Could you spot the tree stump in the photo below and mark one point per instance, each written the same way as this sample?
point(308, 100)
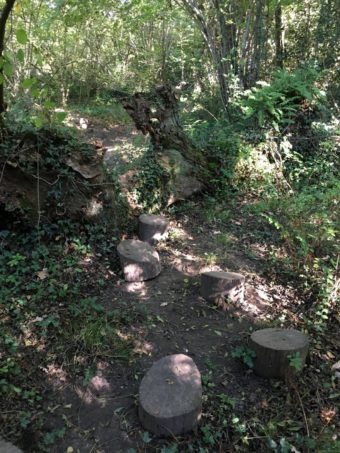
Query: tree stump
point(152, 228)
point(170, 396)
point(139, 260)
point(215, 286)
point(277, 351)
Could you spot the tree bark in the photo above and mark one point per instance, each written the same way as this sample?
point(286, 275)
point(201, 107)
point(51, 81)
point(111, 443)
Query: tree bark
point(278, 37)
point(258, 33)
point(3, 20)
point(156, 113)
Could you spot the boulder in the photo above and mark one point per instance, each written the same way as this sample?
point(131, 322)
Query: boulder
point(170, 396)
point(277, 350)
point(152, 228)
point(183, 181)
point(216, 285)
point(139, 260)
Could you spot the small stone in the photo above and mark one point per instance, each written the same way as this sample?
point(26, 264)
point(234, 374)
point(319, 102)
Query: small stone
point(152, 228)
point(170, 396)
point(217, 285)
point(275, 351)
point(139, 260)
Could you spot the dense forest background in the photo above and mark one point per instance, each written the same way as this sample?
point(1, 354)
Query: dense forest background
point(250, 90)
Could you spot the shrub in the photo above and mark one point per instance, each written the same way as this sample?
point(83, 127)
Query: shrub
point(276, 104)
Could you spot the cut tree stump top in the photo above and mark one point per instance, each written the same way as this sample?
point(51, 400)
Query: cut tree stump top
point(280, 339)
point(275, 349)
point(217, 284)
point(140, 261)
point(152, 219)
point(152, 227)
point(231, 277)
point(170, 396)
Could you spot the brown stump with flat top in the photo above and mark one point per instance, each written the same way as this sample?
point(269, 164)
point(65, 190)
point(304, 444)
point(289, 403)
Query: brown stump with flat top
point(217, 285)
point(152, 228)
point(139, 260)
point(170, 396)
point(276, 350)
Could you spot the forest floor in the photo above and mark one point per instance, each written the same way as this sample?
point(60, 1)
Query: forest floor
point(167, 315)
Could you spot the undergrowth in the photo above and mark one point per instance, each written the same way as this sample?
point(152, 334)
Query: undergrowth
point(282, 156)
point(50, 320)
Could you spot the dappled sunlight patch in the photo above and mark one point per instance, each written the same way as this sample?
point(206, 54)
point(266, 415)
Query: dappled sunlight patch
point(178, 233)
point(192, 265)
point(122, 335)
point(187, 266)
point(136, 287)
point(256, 302)
point(143, 347)
point(56, 376)
point(94, 208)
point(29, 334)
point(99, 383)
point(86, 396)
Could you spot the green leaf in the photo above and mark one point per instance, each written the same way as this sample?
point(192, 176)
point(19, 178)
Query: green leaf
point(21, 56)
point(48, 104)
point(8, 69)
point(38, 122)
point(35, 92)
point(60, 116)
point(146, 437)
point(28, 83)
point(21, 36)
point(1, 79)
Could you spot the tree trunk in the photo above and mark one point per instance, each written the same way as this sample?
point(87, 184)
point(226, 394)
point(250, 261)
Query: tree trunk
point(245, 43)
point(156, 113)
point(219, 38)
point(186, 167)
point(3, 20)
point(258, 43)
point(278, 37)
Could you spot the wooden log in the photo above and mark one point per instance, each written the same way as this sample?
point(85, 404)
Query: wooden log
point(170, 396)
point(215, 286)
point(277, 350)
point(139, 260)
point(152, 228)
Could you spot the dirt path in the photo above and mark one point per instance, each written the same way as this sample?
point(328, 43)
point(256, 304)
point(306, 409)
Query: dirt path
point(102, 416)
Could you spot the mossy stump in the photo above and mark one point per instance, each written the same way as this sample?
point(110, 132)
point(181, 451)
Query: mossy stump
point(170, 396)
point(152, 228)
point(280, 353)
point(139, 260)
